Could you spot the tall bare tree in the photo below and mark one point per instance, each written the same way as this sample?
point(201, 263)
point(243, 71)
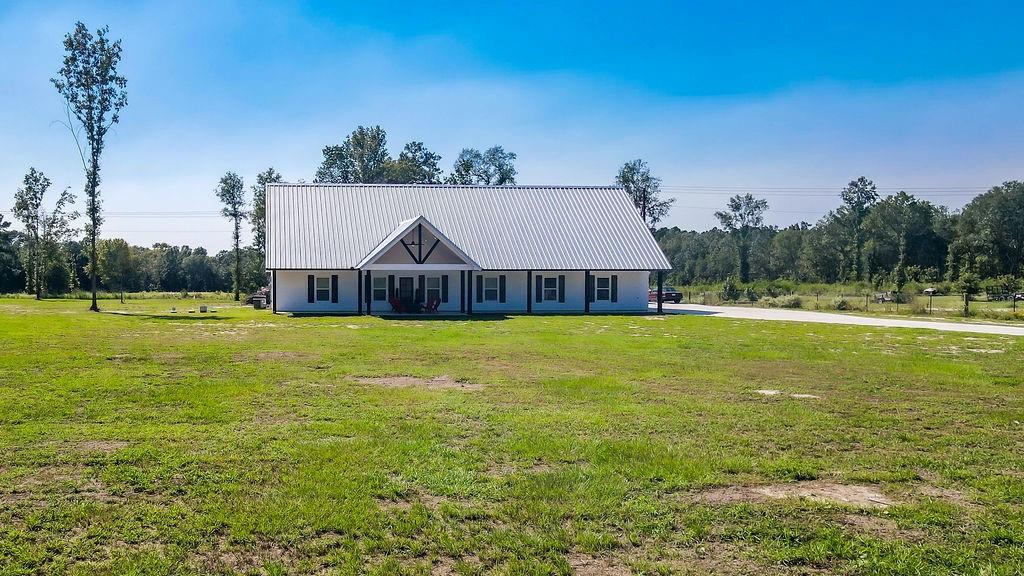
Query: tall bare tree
point(231, 192)
point(645, 191)
point(742, 216)
point(95, 94)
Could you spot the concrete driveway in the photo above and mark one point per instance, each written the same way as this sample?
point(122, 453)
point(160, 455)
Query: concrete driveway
point(786, 315)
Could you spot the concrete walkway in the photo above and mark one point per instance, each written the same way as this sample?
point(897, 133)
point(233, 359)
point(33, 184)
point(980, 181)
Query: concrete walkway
point(787, 315)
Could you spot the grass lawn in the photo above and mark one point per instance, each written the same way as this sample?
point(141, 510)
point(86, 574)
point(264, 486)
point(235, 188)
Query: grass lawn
point(234, 442)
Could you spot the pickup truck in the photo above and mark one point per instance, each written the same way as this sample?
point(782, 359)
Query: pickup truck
point(668, 294)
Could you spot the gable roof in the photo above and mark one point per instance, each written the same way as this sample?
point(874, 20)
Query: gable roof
point(334, 226)
point(402, 230)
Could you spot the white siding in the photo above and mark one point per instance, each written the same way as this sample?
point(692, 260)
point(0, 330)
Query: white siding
point(291, 291)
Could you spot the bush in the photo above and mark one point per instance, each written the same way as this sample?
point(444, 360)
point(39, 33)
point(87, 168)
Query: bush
point(790, 301)
point(730, 291)
point(841, 303)
point(752, 295)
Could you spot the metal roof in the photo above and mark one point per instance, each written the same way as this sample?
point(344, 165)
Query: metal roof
point(334, 226)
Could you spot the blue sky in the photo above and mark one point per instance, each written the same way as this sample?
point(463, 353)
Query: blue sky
point(793, 99)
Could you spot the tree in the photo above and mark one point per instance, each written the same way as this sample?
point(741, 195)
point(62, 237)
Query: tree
point(415, 165)
point(990, 233)
point(743, 214)
point(231, 192)
point(493, 167)
point(858, 196)
point(900, 231)
point(94, 94)
point(969, 285)
point(362, 158)
point(786, 248)
point(645, 191)
point(259, 208)
point(45, 231)
point(117, 264)
point(11, 274)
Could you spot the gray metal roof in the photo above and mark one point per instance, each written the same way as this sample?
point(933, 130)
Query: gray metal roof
point(333, 226)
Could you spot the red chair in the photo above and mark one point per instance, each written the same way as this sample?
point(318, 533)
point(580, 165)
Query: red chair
point(396, 305)
point(431, 306)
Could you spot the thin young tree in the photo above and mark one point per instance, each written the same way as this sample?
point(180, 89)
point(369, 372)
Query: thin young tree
point(743, 215)
point(45, 230)
point(231, 192)
point(645, 191)
point(94, 93)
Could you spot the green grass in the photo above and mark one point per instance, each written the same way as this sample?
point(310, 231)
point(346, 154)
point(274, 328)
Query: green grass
point(146, 442)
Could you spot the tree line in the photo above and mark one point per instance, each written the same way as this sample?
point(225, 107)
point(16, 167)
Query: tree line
point(884, 242)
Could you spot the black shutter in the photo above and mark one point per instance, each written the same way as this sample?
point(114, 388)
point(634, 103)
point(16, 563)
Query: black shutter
point(334, 288)
point(540, 288)
point(479, 288)
point(391, 287)
point(615, 288)
point(501, 288)
point(561, 287)
point(421, 289)
point(591, 296)
point(310, 288)
point(444, 289)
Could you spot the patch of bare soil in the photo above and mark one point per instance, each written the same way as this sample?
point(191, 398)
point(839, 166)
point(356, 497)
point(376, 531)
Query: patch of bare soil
point(437, 383)
point(878, 527)
point(587, 565)
point(225, 557)
point(104, 446)
point(816, 490)
point(280, 355)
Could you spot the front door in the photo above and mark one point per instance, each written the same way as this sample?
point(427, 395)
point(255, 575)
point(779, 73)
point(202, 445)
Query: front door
point(406, 289)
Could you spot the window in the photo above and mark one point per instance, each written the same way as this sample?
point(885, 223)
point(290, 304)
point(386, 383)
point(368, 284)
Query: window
point(323, 289)
point(551, 288)
point(380, 288)
point(604, 290)
point(491, 288)
point(433, 288)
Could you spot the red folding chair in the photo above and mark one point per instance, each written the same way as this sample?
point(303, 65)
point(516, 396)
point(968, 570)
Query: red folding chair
point(431, 306)
point(396, 305)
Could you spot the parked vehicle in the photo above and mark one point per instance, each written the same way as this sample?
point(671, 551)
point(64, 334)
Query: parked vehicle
point(668, 294)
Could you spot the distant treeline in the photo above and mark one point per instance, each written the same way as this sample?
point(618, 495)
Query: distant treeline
point(886, 242)
point(126, 268)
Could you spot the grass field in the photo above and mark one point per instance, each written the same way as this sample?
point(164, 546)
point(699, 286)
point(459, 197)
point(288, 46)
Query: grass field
point(147, 442)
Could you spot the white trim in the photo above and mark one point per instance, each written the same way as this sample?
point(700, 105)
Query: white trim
point(421, 267)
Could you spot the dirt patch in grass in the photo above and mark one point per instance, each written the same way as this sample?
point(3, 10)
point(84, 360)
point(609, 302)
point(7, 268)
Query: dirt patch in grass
point(437, 383)
point(103, 446)
point(816, 490)
point(587, 565)
point(878, 527)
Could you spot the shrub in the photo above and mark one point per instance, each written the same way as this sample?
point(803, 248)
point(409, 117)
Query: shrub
point(790, 301)
point(752, 295)
point(841, 303)
point(730, 291)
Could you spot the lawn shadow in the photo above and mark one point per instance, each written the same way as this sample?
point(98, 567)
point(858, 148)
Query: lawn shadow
point(169, 316)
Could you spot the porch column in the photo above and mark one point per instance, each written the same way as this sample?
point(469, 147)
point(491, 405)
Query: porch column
point(469, 292)
point(369, 283)
point(529, 291)
point(273, 291)
point(359, 291)
point(462, 291)
point(586, 291)
point(661, 285)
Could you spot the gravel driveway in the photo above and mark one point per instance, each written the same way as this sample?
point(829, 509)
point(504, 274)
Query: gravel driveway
point(831, 318)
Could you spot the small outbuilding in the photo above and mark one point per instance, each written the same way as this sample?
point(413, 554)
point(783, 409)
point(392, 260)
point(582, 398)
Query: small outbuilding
point(382, 249)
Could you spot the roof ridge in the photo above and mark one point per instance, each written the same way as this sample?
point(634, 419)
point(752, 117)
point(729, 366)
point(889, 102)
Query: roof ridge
point(463, 186)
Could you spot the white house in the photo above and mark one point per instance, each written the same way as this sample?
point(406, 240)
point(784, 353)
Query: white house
point(382, 249)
